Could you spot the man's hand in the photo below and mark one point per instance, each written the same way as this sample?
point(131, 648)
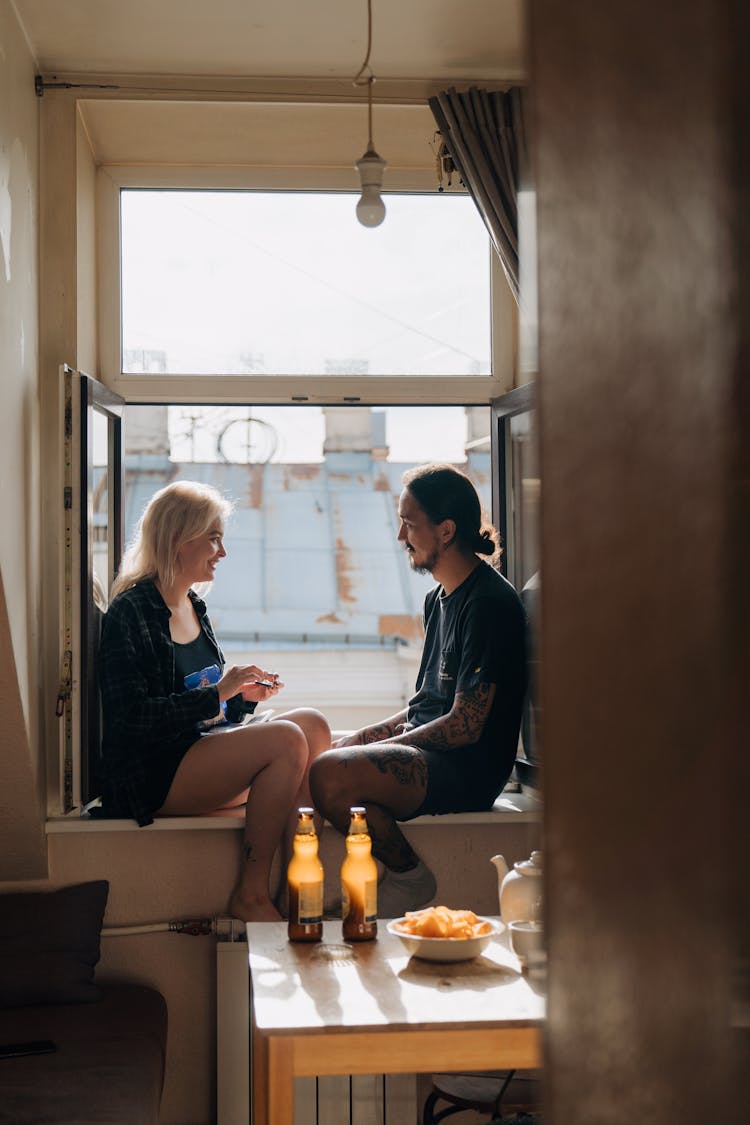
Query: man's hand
point(378, 732)
point(351, 738)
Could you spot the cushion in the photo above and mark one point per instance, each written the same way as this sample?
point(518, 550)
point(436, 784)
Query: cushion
point(49, 944)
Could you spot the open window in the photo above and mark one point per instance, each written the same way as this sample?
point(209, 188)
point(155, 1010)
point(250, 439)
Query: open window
point(93, 547)
point(517, 499)
point(315, 583)
point(314, 579)
point(516, 515)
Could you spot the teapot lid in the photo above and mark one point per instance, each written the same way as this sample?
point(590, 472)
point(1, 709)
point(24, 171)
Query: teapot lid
point(530, 866)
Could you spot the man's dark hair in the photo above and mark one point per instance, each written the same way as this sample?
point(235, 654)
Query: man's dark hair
point(445, 493)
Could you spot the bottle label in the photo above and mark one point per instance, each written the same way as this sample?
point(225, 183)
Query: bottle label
point(310, 903)
point(371, 900)
point(362, 905)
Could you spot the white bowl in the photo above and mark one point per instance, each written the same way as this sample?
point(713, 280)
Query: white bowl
point(445, 949)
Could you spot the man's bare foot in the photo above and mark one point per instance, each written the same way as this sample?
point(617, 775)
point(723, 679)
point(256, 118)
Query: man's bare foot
point(253, 910)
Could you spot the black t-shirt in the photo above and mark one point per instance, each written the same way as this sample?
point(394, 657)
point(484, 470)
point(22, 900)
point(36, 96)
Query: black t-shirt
point(476, 634)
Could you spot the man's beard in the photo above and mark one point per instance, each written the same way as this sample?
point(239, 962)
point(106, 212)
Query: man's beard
point(426, 567)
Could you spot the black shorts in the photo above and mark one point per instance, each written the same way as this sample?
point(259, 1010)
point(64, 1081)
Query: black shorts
point(162, 773)
point(461, 780)
point(153, 786)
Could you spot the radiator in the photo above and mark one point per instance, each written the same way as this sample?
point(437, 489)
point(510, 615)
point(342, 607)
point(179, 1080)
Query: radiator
point(370, 1099)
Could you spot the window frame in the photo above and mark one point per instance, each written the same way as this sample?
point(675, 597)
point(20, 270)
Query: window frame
point(520, 400)
point(79, 753)
point(78, 702)
point(95, 397)
point(507, 499)
point(81, 737)
point(265, 389)
point(115, 389)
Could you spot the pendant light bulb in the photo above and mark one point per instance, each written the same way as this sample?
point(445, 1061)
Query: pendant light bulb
point(371, 166)
point(370, 206)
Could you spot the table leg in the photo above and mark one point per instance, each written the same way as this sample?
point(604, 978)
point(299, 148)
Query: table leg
point(280, 1072)
point(259, 1086)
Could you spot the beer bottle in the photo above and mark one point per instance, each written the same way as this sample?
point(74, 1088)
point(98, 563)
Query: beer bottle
point(359, 882)
point(305, 882)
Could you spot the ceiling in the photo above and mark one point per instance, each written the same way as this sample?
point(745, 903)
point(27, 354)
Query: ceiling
point(434, 41)
point(241, 84)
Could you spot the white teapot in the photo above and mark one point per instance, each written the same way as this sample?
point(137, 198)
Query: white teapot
point(520, 890)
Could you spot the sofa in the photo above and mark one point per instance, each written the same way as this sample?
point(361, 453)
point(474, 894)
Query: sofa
point(104, 1061)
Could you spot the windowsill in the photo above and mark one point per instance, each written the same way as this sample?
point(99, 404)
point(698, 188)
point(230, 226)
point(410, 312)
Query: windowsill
point(525, 807)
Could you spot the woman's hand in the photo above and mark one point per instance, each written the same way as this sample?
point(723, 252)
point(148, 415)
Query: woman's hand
point(244, 680)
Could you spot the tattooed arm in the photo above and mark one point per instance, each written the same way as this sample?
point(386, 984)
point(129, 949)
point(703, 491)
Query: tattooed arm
point(462, 726)
point(378, 732)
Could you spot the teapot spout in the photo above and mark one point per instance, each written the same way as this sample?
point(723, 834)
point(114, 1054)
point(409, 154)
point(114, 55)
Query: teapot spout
point(501, 865)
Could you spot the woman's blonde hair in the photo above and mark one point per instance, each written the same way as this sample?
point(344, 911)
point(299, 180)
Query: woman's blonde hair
point(173, 516)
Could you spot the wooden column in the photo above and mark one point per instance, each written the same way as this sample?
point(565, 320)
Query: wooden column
point(641, 161)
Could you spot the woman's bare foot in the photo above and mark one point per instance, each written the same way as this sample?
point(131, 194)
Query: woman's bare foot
point(253, 910)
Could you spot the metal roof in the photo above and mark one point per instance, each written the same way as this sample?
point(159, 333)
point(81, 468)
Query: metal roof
point(312, 551)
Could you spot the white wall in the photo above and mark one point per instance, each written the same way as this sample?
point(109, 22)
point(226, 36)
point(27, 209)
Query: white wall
point(23, 852)
point(157, 874)
point(153, 875)
point(19, 470)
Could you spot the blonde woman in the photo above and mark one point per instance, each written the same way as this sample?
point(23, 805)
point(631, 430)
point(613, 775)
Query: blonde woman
point(175, 750)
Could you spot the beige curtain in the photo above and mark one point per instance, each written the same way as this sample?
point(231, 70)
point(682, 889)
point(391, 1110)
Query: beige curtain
point(484, 133)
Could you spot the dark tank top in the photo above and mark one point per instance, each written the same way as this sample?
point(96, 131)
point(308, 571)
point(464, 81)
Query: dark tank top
point(192, 657)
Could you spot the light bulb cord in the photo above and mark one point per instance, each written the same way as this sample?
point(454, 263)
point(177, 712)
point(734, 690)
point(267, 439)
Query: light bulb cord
point(368, 81)
point(366, 64)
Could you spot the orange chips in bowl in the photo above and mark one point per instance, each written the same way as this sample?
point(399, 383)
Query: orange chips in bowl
point(441, 934)
point(442, 922)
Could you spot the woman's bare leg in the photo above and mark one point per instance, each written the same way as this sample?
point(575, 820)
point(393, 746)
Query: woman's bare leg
point(271, 759)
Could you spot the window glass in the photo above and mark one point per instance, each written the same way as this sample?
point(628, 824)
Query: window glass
point(517, 512)
point(315, 585)
point(288, 283)
point(526, 496)
point(101, 554)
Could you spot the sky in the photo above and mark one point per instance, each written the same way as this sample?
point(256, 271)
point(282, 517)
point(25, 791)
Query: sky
point(290, 283)
point(413, 434)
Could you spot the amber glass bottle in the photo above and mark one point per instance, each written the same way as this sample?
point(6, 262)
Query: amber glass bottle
point(305, 882)
point(359, 882)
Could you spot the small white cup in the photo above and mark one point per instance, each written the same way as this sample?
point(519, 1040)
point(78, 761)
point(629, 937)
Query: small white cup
point(527, 942)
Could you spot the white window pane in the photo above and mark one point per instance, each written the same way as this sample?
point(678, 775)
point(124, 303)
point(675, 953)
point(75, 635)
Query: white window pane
point(231, 282)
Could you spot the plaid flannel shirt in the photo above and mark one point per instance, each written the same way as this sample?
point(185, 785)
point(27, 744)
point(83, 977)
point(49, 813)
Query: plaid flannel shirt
point(143, 715)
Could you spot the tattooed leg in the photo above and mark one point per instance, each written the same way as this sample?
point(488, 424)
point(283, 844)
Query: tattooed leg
point(389, 844)
point(390, 781)
point(404, 764)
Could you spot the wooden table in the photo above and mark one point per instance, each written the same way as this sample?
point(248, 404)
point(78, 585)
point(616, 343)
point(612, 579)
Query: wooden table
point(366, 1008)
